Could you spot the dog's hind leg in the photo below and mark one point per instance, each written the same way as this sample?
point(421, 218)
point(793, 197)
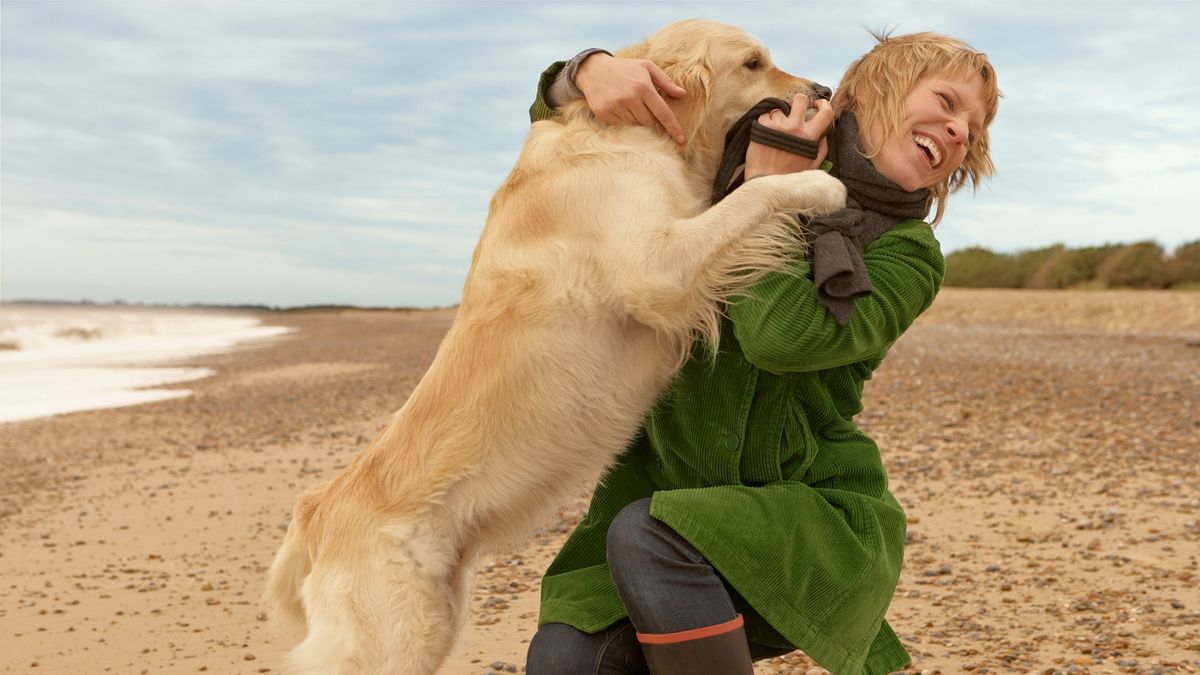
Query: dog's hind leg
point(427, 606)
point(392, 612)
point(461, 582)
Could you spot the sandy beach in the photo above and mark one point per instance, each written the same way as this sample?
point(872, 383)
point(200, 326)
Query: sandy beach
point(1045, 445)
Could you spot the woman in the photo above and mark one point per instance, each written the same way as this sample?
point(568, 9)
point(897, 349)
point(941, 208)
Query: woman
point(752, 517)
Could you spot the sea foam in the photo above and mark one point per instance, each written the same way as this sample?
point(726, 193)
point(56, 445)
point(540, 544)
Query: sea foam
point(64, 358)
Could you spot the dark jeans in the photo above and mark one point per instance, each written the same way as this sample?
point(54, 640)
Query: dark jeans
point(666, 586)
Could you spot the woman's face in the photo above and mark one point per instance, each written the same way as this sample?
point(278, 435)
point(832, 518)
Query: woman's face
point(944, 116)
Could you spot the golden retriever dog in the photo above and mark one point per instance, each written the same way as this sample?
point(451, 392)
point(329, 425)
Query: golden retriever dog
point(600, 264)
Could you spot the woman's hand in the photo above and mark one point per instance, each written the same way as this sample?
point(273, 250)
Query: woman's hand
point(625, 91)
point(763, 160)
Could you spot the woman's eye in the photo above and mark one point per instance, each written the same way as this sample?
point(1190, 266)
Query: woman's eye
point(947, 101)
point(753, 64)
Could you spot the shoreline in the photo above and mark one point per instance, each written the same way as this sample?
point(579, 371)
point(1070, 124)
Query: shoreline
point(1045, 476)
point(62, 359)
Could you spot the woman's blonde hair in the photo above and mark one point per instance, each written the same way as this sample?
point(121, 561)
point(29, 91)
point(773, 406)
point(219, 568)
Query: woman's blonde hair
point(875, 88)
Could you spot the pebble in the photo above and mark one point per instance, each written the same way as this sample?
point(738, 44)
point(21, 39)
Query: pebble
point(939, 571)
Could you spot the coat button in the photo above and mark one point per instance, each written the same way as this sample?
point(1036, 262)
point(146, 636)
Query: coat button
point(731, 442)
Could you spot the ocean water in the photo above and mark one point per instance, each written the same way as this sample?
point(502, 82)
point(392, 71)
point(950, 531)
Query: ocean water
point(57, 359)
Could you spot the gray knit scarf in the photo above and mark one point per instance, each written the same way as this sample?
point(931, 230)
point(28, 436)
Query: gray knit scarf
point(873, 206)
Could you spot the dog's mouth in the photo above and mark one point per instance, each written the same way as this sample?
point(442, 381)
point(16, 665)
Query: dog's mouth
point(929, 148)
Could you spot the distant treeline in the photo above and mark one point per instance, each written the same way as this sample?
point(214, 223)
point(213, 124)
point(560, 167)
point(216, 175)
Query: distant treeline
point(1141, 265)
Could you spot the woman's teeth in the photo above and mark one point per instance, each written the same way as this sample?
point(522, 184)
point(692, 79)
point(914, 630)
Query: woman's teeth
point(931, 147)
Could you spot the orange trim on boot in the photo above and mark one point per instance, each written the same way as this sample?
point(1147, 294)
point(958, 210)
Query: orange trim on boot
point(693, 634)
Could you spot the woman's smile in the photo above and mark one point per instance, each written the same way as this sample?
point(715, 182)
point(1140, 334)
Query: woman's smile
point(929, 148)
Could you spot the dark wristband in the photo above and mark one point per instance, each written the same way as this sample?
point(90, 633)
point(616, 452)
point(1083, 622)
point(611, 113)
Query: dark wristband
point(569, 71)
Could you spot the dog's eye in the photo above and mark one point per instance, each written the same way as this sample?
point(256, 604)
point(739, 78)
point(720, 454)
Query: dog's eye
point(753, 63)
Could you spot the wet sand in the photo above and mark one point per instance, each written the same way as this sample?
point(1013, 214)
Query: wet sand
point(1046, 446)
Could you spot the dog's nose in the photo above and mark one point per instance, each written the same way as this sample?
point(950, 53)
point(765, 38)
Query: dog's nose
point(821, 91)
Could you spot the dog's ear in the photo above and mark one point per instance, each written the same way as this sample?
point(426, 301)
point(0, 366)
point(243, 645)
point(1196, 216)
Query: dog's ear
point(685, 59)
point(695, 76)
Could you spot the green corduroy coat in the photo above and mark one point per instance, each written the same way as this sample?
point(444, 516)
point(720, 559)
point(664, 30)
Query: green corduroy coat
point(756, 460)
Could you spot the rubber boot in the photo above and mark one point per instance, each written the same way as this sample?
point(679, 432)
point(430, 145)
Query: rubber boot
point(720, 649)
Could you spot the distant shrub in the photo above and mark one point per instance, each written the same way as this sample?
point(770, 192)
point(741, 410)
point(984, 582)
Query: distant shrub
point(1140, 265)
point(978, 267)
point(1028, 265)
point(1044, 276)
point(1183, 267)
point(1070, 267)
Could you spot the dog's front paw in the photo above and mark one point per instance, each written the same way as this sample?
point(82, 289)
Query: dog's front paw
point(819, 192)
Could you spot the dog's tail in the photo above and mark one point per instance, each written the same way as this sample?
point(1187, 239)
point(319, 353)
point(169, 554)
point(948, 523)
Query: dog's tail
point(291, 565)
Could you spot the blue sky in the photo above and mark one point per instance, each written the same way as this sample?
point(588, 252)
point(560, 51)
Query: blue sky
point(290, 153)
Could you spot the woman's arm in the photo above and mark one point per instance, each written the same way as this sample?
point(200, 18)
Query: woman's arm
point(563, 89)
point(541, 109)
point(618, 90)
point(782, 327)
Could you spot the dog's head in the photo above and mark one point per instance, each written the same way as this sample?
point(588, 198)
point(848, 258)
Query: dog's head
point(725, 71)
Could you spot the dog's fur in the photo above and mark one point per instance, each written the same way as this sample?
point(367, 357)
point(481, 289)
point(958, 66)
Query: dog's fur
point(600, 264)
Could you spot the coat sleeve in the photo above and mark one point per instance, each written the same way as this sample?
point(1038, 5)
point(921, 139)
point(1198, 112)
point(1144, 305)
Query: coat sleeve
point(783, 327)
point(540, 110)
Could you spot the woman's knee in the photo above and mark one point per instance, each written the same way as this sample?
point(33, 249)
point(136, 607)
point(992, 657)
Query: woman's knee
point(640, 546)
point(630, 535)
point(559, 649)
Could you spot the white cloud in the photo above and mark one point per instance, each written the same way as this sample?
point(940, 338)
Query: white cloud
point(347, 153)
